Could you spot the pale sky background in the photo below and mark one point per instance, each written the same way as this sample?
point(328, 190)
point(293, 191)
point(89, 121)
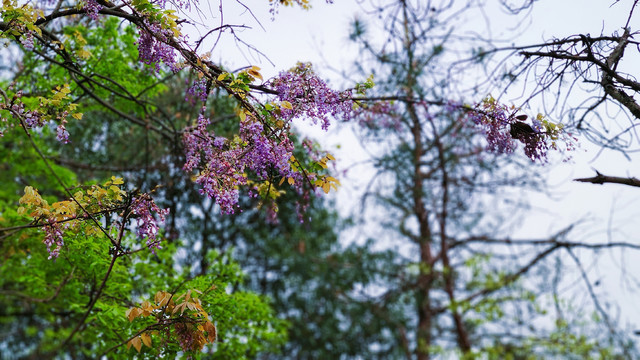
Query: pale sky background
point(607, 212)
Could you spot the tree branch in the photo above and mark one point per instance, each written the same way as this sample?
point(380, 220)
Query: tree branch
point(601, 179)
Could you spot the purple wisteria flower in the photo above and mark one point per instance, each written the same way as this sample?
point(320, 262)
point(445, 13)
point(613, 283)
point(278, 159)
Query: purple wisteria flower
point(502, 127)
point(53, 238)
point(223, 165)
point(152, 50)
point(32, 118)
point(27, 41)
point(143, 207)
point(494, 126)
point(221, 174)
point(311, 97)
point(61, 133)
point(91, 7)
point(197, 91)
point(266, 153)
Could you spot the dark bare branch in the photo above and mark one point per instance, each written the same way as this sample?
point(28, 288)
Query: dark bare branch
point(602, 179)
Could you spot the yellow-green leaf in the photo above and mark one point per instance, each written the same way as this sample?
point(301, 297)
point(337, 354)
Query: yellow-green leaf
point(255, 72)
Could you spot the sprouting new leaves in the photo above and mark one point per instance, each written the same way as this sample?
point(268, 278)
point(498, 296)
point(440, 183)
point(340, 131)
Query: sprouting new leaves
point(361, 88)
point(87, 205)
point(190, 321)
point(255, 72)
point(326, 183)
point(323, 162)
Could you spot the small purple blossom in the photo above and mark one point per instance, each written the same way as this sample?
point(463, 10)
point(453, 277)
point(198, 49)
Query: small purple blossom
point(219, 141)
point(31, 118)
point(53, 238)
point(61, 133)
point(143, 207)
point(197, 91)
point(27, 41)
point(91, 7)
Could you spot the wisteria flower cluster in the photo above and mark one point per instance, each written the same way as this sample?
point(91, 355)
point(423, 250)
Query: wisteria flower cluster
point(220, 175)
point(197, 91)
point(493, 120)
point(27, 41)
point(53, 238)
point(91, 7)
point(502, 126)
point(143, 207)
point(61, 132)
point(153, 51)
point(33, 205)
point(263, 146)
point(224, 163)
point(266, 153)
point(32, 118)
point(311, 96)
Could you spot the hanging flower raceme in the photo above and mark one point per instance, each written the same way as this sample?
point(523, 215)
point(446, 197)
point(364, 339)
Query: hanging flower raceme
point(91, 7)
point(152, 51)
point(144, 208)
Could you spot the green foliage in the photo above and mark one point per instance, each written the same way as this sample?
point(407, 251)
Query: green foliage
point(64, 288)
point(76, 305)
